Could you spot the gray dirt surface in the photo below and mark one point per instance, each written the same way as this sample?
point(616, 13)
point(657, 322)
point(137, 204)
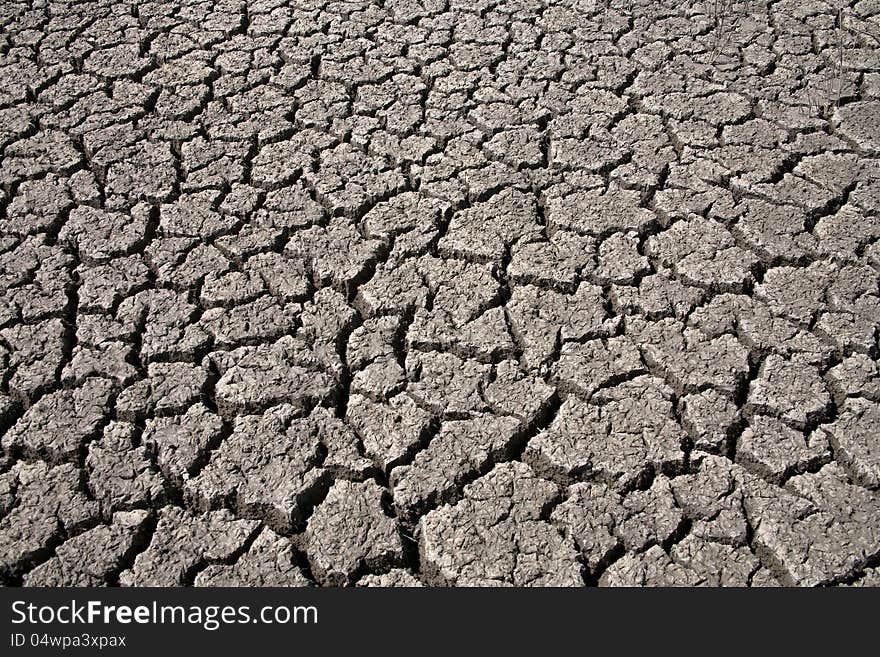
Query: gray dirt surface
point(439, 293)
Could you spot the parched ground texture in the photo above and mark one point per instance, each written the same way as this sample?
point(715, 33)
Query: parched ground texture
point(439, 292)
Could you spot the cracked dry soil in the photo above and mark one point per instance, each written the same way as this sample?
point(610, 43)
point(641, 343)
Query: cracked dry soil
point(439, 292)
